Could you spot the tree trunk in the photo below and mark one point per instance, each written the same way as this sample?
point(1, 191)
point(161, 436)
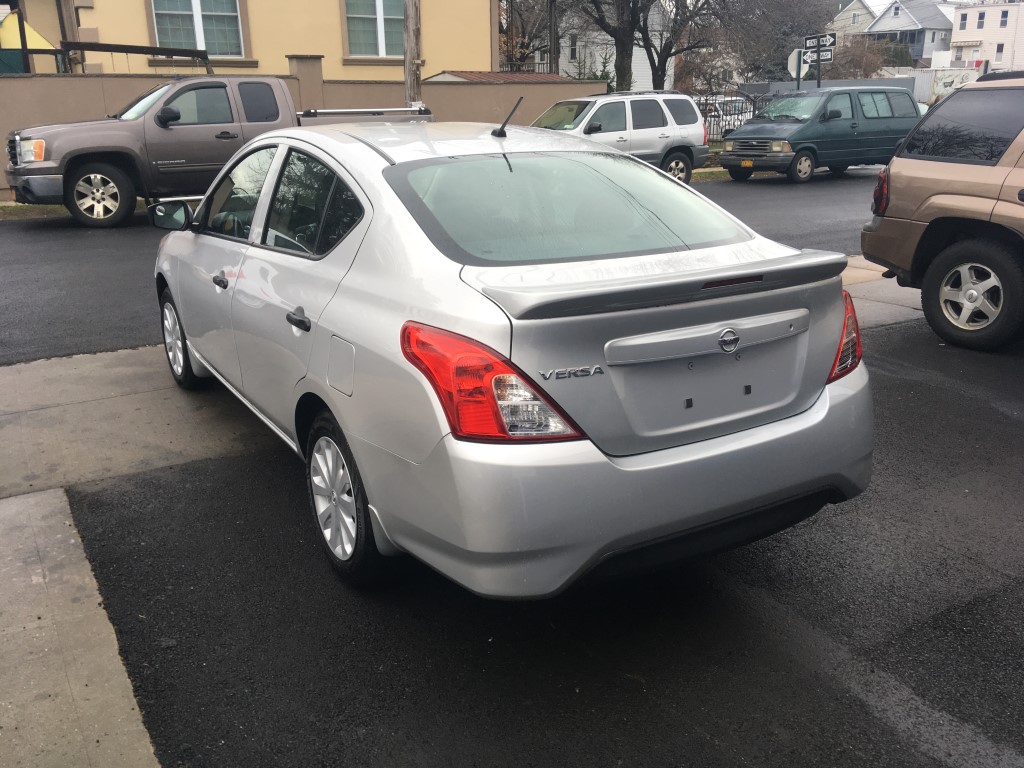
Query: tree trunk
point(624, 63)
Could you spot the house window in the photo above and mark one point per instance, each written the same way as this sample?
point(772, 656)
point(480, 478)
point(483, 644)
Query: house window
point(999, 53)
point(375, 27)
point(896, 10)
point(1004, 18)
point(933, 37)
point(963, 21)
point(856, 18)
point(976, 54)
point(573, 48)
point(959, 56)
point(209, 24)
point(981, 20)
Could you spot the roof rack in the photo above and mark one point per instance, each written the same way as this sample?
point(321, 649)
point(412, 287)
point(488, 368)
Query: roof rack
point(636, 93)
point(1000, 76)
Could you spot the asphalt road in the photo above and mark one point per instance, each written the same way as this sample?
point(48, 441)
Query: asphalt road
point(887, 631)
point(67, 290)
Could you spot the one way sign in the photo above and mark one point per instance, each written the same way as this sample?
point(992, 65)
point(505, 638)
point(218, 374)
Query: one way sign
point(812, 56)
point(825, 40)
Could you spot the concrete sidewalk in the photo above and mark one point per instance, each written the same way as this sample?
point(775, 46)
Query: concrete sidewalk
point(65, 699)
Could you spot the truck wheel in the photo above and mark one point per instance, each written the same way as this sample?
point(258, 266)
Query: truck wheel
point(678, 165)
point(973, 294)
point(740, 174)
point(99, 195)
point(802, 167)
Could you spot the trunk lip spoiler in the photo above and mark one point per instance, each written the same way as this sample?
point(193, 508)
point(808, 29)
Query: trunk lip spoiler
point(547, 291)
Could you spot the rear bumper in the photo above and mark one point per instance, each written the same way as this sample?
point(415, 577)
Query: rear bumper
point(892, 243)
point(775, 161)
point(527, 520)
point(35, 188)
point(700, 156)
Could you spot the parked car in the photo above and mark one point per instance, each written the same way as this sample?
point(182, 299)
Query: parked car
point(948, 218)
point(665, 128)
point(834, 127)
point(515, 358)
point(170, 141)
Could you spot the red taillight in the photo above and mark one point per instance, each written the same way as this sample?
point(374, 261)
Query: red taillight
point(484, 396)
point(880, 197)
point(705, 134)
point(850, 352)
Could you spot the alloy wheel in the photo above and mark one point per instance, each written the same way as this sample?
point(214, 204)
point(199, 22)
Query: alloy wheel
point(97, 196)
point(971, 296)
point(172, 340)
point(333, 498)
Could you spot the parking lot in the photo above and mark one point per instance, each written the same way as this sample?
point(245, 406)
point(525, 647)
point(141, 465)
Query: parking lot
point(885, 631)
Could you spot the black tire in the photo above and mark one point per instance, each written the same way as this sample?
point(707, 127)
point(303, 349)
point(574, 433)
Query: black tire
point(740, 174)
point(802, 168)
point(998, 318)
point(106, 200)
point(837, 170)
point(175, 345)
point(364, 565)
point(679, 166)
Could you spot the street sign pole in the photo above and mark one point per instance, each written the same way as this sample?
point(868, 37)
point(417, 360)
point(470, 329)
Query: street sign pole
point(817, 60)
point(799, 66)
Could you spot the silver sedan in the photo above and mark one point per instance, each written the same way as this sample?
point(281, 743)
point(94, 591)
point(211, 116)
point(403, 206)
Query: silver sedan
point(515, 357)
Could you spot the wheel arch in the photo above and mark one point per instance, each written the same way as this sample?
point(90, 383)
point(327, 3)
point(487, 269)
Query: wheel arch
point(684, 148)
point(944, 232)
point(161, 285)
point(306, 409)
point(124, 161)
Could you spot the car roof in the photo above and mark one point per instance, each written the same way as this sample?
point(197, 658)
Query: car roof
point(407, 142)
point(629, 94)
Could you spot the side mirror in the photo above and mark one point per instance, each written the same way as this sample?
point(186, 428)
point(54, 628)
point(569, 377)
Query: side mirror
point(592, 128)
point(167, 115)
point(174, 215)
point(832, 114)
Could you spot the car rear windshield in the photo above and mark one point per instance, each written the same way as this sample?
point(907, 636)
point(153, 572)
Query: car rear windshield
point(564, 116)
point(535, 208)
point(970, 126)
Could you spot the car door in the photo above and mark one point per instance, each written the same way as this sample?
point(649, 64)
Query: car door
point(688, 127)
point(837, 137)
point(209, 273)
point(186, 155)
point(649, 134)
point(608, 125)
point(260, 108)
point(316, 219)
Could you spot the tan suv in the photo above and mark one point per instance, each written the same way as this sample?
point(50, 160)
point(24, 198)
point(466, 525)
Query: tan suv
point(949, 213)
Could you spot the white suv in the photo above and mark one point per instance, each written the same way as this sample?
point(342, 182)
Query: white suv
point(665, 128)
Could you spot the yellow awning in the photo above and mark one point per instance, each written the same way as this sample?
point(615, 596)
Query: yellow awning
point(10, 37)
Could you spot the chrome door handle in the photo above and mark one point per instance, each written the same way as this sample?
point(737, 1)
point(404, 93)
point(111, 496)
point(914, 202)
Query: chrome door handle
point(220, 281)
point(226, 135)
point(664, 136)
point(853, 125)
point(299, 320)
point(621, 139)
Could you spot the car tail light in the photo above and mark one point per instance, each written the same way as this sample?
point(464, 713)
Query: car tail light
point(880, 197)
point(705, 134)
point(850, 351)
point(484, 396)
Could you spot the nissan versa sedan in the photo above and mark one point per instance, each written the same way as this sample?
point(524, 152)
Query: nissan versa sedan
point(518, 357)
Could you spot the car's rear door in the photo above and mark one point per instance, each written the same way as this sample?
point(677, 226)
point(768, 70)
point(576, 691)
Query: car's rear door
point(316, 218)
point(650, 135)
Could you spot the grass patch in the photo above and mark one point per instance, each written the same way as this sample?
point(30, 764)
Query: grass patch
point(22, 212)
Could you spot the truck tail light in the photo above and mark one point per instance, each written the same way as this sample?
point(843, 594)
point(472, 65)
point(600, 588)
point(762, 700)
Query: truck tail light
point(850, 352)
point(880, 197)
point(484, 396)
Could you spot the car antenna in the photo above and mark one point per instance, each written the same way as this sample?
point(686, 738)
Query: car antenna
point(500, 132)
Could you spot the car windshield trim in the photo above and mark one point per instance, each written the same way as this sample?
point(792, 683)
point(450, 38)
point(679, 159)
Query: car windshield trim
point(612, 206)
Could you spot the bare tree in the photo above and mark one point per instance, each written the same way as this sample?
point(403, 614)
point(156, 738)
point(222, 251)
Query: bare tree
point(859, 57)
point(671, 27)
point(620, 20)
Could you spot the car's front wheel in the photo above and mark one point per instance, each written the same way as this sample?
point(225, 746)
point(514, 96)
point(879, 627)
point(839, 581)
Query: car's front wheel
point(973, 294)
point(678, 165)
point(740, 174)
point(99, 195)
point(176, 344)
point(340, 508)
point(802, 167)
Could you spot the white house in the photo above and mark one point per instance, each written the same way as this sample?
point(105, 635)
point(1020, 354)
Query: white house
point(992, 32)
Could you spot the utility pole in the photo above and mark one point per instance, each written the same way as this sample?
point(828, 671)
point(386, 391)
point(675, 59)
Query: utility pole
point(413, 61)
point(554, 65)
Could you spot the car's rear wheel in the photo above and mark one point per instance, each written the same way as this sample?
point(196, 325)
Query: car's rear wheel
point(340, 508)
point(740, 174)
point(973, 294)
point(680, 166)
point(837, 170)
point(176, 344)
point(802, 167)
point(99, 195)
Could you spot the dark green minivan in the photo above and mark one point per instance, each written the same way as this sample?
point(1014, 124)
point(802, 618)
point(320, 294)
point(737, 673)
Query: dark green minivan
point(833, 127)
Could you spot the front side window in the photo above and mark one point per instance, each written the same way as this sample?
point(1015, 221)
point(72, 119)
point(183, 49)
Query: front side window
point(647, 113)
point(212, 25)
point(682, 111)
point(542, 207)
point(203, 106)
point(375, 27)
point(843, 103)
point(970, 127)
point(233, 203)
point(312, 209)
point(610, 117)
point(874, 105)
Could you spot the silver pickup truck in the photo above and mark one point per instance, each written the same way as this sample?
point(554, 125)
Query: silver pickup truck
point(170, 142)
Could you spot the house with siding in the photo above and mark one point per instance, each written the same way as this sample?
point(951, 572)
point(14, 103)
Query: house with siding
point(988, 32)
point(854, 18)
point(924, 26)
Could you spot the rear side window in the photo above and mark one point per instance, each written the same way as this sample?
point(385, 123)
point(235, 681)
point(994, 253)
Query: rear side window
point(970, 126)
point(203, 106)
point(902, 105)
point(535, 208)
point(874, 105)
point(682, 111)
point(258, 102)
point(647, 113)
